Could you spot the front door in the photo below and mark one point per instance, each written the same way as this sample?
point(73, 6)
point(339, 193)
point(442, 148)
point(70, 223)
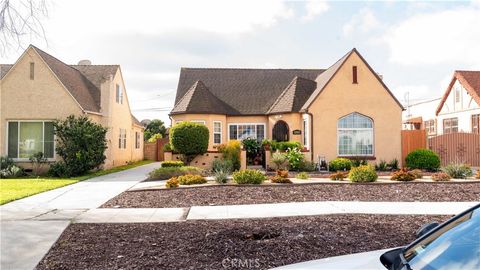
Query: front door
point(280, 131)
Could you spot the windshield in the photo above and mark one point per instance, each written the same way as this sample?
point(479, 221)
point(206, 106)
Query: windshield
point(455, 246)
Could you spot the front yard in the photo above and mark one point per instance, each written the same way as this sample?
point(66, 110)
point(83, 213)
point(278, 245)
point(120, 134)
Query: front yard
point(17, 188)
point(219, 244)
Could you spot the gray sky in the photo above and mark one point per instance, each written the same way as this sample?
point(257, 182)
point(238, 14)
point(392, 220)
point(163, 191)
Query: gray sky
point(414, 45)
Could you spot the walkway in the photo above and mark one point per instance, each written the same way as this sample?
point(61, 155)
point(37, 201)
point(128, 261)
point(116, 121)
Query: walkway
point(136, 215)
point(30, 226)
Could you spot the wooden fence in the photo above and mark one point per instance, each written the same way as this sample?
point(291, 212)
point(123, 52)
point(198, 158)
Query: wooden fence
point(457, 147)
point(412, 140)
point(154, 150)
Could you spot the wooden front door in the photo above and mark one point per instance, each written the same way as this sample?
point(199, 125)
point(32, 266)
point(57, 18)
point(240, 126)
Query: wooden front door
point(280, 131)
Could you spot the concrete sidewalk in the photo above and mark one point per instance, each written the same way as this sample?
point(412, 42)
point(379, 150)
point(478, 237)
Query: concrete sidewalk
point(137, 215)
point(30, 226)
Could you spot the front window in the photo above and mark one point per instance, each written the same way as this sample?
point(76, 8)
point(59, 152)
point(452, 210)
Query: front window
point(122, 139)
point(246, 131)
point(137, 140)
point(450, 125)
point(26, 138)
point(430, 127)
point(217, 132)
point(355, 135)
point(476, 123)
point(453, 246)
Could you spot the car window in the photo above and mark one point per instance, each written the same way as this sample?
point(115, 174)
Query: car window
point(455, 246)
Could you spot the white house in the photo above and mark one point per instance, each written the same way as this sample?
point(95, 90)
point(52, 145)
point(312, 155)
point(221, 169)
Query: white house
point(457, 111)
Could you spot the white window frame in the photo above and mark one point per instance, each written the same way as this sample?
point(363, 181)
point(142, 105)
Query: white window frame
point(373, 137)
point(122, 138)
point(217, 132)
point(17, 159)
point(256, 124)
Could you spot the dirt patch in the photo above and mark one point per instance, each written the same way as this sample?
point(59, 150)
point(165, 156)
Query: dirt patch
point(261, 243)
point(229, 195)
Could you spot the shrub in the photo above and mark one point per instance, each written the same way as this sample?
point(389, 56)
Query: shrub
point(478, 174)
point(222, 165)
point(59, 169)
point(81, 144)
point(359, 162)
point(5, 162)
point(191, 179)
point(248, 177)
point(423, 159)
point(231, 151)
point(167, 147)
point(37, 160)
point(308, 166)
point(459, 171)
point(155, 137)
point(280, 180)
point(172, 163)
point(189, 139)
point(282, 173)
point(284, 146)
point(440, 176)
point(417, 173)
point(302, 175)
point(340, 164)
point(363, 173)
point(11, 172)
point(295, 158)
point(172, 183)
point(168, 172)
point(382, 166)
point(393, 164)
point(279, 159)
point(220, 177)
point(338, 175)
point(252, 147)
point(403, 175)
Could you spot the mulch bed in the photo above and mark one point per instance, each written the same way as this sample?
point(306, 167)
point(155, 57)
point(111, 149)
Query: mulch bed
point(221, 244)
point(253, 194)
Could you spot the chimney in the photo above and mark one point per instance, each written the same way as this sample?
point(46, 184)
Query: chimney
point(84, 62)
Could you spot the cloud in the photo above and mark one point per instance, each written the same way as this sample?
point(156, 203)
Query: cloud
point(439, 37)
point(363, 22)
point(314, 8)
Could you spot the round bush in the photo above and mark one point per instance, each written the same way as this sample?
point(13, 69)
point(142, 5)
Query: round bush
point(248, 177)
point(441, 176)
point(340, 164)
point(363, 173)
point(189, 139)
point(172, 183)
point(403, 176)
point(191, 179)
point(423, 159)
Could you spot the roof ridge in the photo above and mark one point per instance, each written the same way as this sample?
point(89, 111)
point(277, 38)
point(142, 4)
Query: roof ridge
point(243, 68)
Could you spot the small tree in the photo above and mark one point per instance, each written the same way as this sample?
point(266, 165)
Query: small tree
point(189, 139)
point(156, 126)
point(81, 144)
point(37, 160)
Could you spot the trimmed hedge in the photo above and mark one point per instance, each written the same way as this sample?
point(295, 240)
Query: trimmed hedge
point(363, 173)
point(191, 179)
point(340, 164)
point(169, 172)
point(166, 164)
point(423, 159)
point(189, 139)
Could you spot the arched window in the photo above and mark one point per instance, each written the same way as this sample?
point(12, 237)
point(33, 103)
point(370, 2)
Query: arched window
point(355, 135)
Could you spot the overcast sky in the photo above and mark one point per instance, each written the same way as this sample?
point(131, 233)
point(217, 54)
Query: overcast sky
point(416, 46)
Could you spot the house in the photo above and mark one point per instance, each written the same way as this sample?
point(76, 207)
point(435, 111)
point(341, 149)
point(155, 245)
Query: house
point(39, 89)
point(457, 111)
point(343, 111)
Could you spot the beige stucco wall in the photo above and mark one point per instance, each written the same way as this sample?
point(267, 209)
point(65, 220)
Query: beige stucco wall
point(369, 98)
point(44, 98)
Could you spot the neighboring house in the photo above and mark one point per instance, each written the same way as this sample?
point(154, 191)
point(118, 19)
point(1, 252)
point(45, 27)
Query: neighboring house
point(457, 111)
point(343, 111)
point(39, 89)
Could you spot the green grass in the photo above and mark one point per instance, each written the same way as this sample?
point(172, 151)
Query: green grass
point(17, 188)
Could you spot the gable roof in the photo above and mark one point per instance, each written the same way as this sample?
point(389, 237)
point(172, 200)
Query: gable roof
point(294, 96)
point(81, 81)
point(324, 78)
point(204, 102)
point(242, 91)
point(469, 79)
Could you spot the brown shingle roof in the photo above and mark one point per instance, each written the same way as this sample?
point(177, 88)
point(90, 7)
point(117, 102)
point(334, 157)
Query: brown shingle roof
point(204, 101)
point(243, 91)
point(97, 74)
point(294, 96)
point(4, 68)
point(469, 79)
point(136, 122)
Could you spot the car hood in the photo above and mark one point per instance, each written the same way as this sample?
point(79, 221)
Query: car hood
point(365, 260)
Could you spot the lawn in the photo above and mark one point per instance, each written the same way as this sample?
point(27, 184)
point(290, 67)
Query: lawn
point(17, 188)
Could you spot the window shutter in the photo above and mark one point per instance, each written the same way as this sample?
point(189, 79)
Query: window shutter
point(354, 74)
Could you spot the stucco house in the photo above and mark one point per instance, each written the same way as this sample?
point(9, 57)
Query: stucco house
point(38, 89)
point(343, 111)
point(457, 111)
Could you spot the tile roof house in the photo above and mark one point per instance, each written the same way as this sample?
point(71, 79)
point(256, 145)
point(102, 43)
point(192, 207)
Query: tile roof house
point(39, 88)
point(345, 110)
